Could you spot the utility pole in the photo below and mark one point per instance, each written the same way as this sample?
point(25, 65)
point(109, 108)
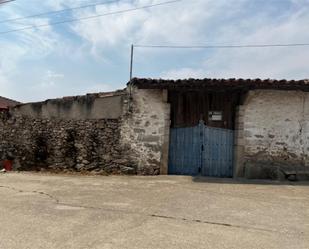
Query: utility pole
point(131, 68)
point(131, 76)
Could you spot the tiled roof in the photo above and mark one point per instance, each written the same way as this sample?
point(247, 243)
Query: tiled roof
point(221, 84)
point(6, 103)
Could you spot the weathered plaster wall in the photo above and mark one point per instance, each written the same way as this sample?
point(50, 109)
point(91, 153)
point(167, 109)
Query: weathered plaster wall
point(145, 131)
point(91, 106)
point(273, 134)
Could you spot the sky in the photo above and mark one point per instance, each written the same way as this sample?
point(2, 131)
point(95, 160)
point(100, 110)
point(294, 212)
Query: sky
point(94, 55)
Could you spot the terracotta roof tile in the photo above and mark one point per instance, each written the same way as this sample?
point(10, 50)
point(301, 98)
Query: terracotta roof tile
point(222, 84)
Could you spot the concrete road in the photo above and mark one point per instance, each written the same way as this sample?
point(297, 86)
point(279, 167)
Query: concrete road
point(48, 211)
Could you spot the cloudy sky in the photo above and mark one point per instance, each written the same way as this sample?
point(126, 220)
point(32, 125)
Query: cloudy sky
point(93, 55)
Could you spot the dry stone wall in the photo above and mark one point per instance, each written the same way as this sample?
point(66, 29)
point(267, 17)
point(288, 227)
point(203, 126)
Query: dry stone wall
point(36, 144)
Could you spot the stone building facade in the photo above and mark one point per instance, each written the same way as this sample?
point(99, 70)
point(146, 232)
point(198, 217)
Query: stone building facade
point(273, 131)
point(131, 132)
point(271, 123)
point(145, 130)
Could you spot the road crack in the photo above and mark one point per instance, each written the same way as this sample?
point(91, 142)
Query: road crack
point(33, 191)
point(58, 202)
point(212, 223)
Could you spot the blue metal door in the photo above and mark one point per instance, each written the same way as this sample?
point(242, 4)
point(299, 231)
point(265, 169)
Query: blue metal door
point(201, 150)
point(185, 151)
point(217, 152)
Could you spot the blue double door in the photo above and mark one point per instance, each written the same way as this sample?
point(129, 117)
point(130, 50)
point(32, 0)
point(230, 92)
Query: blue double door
point(201, 150)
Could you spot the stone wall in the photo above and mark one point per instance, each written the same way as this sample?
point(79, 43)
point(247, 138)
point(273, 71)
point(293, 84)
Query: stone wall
point(239, 145)
point(79, 133)
point(145, 131)
point(60, 135)
point(273, 135)
point(74, 145)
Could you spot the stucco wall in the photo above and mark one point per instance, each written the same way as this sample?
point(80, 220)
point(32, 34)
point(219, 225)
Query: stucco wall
point(273, 134)
point(145, 131)
point(79, 107)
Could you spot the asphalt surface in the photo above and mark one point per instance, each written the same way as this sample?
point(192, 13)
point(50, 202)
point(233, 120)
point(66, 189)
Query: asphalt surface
point(48, 211)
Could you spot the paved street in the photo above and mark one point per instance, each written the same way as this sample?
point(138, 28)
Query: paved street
point(52, 211)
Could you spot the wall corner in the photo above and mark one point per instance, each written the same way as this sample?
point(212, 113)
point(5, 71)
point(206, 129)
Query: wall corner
point(166, 135)
point(239, 146)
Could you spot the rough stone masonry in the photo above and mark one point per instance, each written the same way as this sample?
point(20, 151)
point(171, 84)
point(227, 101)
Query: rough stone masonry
point(37, 137)
point(66, 145)
point(273, 135)
point(95, 132)
point(115, 133)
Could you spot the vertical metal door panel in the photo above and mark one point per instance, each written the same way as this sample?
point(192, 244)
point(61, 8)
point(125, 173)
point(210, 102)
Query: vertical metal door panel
point(185, 151)
point(217, 159)
point(201, 147)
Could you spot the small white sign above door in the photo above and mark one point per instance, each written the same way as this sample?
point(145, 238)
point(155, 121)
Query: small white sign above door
point(215, 115)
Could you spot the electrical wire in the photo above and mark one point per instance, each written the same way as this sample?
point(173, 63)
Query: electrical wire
point(57, 11)
point(223, 46)
point(6, 1)
point(89, 17)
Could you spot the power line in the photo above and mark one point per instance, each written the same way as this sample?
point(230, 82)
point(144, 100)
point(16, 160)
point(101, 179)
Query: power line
point(56, 11)
point(89, 17)
point(224, 46)
point(6, 1)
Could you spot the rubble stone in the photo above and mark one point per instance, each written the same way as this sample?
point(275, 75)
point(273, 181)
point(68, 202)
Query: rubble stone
point(68, 145)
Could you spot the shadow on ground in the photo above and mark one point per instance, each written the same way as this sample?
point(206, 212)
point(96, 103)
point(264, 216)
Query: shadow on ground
point(201, 179)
